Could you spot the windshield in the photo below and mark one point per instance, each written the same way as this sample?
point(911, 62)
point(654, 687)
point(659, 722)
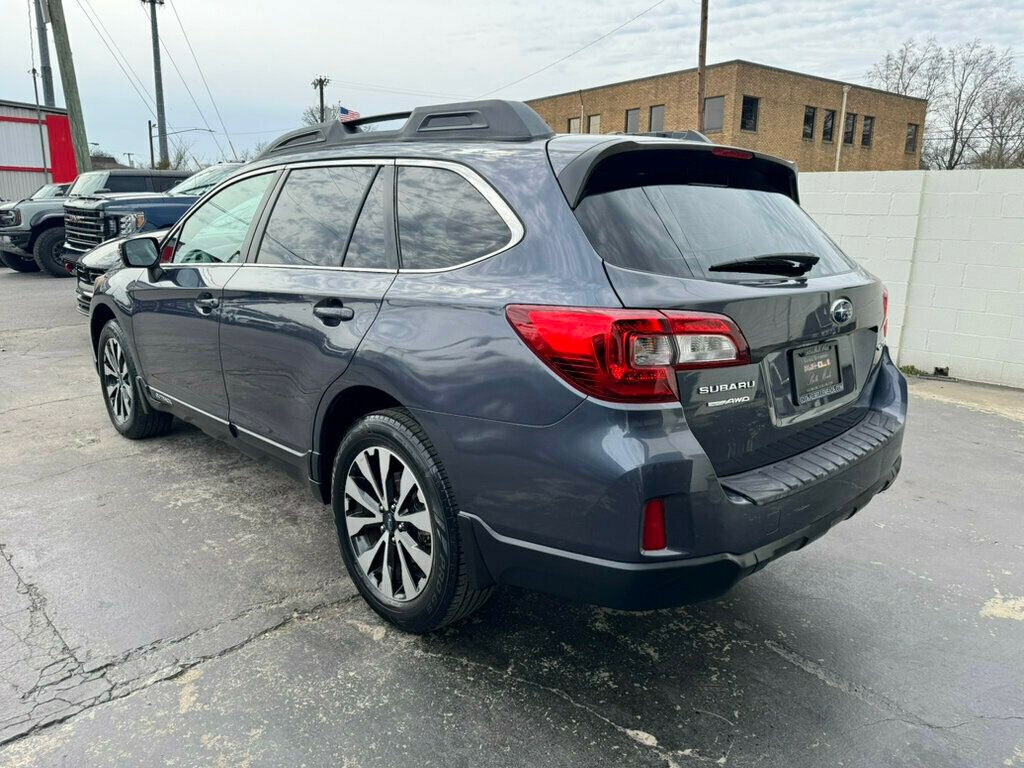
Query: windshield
point(49, 190)
point(206, 179)
point(88, 183)
point(681, 230)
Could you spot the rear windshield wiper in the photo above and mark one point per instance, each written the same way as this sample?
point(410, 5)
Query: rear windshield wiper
point(789, 264)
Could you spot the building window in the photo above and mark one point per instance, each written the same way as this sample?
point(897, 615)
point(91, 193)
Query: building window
point(574, 125)
point(868, 131)
point(748, 118)
point(594, 124)
point(911, 146)
point(810, 115)
point(714, 113)
point(849, 127)
point(657, 121)
point(632, 121)
point(828, 125)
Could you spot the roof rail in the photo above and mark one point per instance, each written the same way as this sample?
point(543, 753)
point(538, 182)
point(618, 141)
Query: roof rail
point(489, 120)
point(687, 135)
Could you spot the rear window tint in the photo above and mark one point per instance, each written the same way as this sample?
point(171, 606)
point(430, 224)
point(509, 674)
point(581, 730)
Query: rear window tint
point(443, 221)
point(681, 230)
point(368, 248)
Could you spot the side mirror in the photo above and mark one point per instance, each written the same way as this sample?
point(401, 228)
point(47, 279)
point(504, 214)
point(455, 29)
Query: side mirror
point(140, 252)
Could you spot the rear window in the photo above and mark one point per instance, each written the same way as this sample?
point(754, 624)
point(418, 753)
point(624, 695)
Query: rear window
point(682, 229)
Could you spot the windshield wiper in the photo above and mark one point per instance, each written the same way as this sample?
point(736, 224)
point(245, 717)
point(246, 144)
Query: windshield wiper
point(788, 264)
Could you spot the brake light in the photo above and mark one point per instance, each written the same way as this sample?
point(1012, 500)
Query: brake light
point(735, 154)
point(627, 355)
point(654, 526)
point(885, 312)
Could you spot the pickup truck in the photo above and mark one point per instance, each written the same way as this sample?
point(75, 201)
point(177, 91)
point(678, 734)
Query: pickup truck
point(45, 192)
point(91, 220)
point(32, 231)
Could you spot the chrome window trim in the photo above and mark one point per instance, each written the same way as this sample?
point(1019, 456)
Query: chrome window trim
point(489, 193)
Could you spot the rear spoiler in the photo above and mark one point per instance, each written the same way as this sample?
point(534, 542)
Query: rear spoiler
point(623, 163)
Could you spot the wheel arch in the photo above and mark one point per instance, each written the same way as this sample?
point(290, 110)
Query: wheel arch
point(336, 416)
point(42, 224)
point(101, 315)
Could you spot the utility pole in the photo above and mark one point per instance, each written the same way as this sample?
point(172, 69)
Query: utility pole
point(44, 55)
point(152, 161)
point(319, 83)
point(842, 125)
point(702, 55)
point(129, 156)
point(67, 76)
point(158, 84)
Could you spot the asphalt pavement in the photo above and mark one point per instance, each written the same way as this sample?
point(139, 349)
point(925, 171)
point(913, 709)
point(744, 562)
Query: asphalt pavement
point(173, 602)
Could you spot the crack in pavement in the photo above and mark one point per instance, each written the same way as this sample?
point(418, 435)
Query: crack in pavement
point(66, 686)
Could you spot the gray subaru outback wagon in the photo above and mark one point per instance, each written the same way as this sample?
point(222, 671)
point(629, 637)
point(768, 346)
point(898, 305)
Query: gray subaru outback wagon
point(627, 370)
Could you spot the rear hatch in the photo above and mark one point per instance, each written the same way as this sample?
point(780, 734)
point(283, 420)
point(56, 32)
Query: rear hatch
point(665, 217)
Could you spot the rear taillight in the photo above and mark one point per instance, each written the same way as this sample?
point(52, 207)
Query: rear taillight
point(885, 312)
point(627, 355)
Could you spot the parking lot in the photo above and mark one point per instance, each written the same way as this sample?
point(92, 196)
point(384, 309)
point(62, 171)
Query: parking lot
point(174, 602)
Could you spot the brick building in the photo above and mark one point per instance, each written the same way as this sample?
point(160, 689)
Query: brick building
point(787, 114)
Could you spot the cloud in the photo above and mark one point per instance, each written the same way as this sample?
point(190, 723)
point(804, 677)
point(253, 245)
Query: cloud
point(260, 56)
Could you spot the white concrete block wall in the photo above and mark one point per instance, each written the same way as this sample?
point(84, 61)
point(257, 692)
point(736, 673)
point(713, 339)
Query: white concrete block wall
point(949, 245)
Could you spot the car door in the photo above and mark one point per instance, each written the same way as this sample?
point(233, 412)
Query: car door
point(295, 313)
point(176, 308)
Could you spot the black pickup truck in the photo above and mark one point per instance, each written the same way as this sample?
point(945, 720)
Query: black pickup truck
point(32, 231)
point(91, 220)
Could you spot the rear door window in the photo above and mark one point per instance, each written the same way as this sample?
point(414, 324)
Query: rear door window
point(444, 221)
point(682, 229)
point(314, 215)
point(368, 248)
point(126, 183)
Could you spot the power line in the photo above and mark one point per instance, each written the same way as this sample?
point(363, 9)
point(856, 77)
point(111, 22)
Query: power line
point(189, 92)
point(578, 50)
point(203, 77)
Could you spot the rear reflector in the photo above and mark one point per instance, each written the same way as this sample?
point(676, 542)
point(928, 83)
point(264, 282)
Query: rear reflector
point(627, 355)
point(885, 312)
point(654, 526)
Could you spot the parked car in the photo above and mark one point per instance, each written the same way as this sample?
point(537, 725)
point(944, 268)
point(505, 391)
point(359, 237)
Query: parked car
point(627, 370)
point(98, 261)
point(45, 192)
point(32, 232)
point(92, 219)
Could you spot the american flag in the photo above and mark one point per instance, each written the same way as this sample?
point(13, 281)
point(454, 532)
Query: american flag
point(346, 115)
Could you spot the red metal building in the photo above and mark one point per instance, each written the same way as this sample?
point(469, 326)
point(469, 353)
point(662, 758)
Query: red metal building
point(33, 151)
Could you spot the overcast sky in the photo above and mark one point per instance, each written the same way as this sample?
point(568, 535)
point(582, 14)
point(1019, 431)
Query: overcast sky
point(259, 57)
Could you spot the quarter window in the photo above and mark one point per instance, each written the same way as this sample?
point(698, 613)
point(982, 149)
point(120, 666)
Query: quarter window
point(632, 120)
point(714, 113)
point(215, 233)
point(828, 125)
point(313, 216)
point(369, 246)
point(443, 220)
point(574, 125)
point(849, 127)
point(868, 131)
point(910, 147)
point(657, 118)
point(748, 119)
point(594, 124)
point(810, 115)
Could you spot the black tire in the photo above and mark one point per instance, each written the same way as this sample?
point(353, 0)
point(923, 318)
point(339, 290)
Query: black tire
point(47, 251)
point(447, 595)
point(135, 421)
point(18, 264)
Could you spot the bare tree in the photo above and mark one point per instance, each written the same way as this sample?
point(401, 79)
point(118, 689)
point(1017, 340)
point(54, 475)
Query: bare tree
point(251, 153)
point(1004, 129)
point(311, 115)
point(965, 86)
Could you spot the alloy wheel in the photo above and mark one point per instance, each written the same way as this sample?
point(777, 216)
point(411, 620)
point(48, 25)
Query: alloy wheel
point(388, 523)
point(117, 381)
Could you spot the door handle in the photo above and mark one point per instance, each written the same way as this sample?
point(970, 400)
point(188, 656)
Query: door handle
point(332, 311)
point(206, 303)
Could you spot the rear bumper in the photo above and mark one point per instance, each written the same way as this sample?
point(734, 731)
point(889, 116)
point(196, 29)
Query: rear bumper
point(650, 585)
point(561, 511)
